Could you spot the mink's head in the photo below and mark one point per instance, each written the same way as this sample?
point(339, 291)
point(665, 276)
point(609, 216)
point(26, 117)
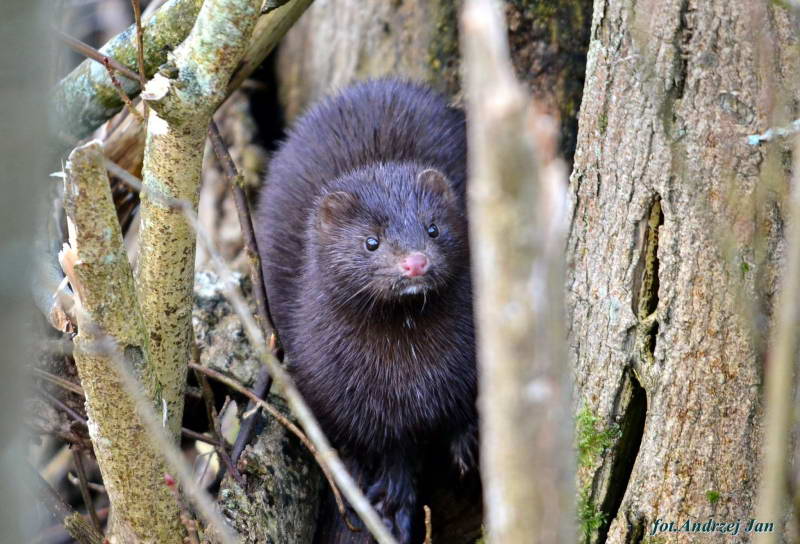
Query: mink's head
point(389, 232)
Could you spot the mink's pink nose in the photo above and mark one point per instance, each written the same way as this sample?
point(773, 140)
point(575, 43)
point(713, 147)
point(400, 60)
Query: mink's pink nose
point(413, 265)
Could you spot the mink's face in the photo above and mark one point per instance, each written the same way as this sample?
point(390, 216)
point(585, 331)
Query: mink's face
point(390, 232)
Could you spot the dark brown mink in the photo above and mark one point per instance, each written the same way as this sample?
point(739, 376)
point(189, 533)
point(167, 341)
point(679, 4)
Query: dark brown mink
point(362, 230)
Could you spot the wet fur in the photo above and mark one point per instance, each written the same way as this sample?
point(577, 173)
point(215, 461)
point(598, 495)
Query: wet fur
point(389, 376)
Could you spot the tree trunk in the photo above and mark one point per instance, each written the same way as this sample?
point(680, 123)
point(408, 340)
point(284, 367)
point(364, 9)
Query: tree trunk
point(675, 248)
point(338, 42)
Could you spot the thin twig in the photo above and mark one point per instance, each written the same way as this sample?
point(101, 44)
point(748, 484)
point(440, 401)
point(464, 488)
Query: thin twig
point(264, 380)
point(428, 526)
point(221, 451)
point(233, 384)
point(69, 386)
point(77, 457)
point(82, 533)
point(137, 17)
point(246, 225)
point(63, 407)
point(97, 488)
point(213, 423)
point(61, 382)
point(260, 389)
point(88, 51)
point(188, 433)
point(122, 94)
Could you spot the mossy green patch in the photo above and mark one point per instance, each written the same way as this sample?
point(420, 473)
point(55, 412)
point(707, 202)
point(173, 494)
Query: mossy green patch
point(592, 440)
point(590, 517)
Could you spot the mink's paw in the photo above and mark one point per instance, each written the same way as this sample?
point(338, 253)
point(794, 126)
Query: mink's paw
point(394, 499)
point(464, 450)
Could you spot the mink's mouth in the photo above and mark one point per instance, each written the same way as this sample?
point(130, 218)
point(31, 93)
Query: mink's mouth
point(413, 286)
point(416, 289)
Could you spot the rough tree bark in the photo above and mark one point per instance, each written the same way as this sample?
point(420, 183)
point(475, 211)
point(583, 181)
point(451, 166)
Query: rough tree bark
point(676, 244)
point(338, 42)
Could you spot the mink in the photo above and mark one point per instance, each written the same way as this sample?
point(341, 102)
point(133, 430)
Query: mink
point(363, 235)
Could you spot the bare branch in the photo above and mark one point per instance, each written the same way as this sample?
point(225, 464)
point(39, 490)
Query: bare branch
point(517, 205)
point(779, 389)
point(90, 52)
point(183, 99)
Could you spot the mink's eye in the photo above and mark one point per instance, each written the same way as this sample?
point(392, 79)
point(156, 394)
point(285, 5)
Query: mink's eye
point(433, 231)
point(371, 243)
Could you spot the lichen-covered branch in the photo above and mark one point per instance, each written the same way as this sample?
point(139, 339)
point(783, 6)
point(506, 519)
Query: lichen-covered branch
point(517, 205)
point(97, 265)
point(86, 98)
point(270, 29)
point(181, 105)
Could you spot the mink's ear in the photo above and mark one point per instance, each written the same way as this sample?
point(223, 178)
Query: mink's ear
point(336, 207)
point(435, 182)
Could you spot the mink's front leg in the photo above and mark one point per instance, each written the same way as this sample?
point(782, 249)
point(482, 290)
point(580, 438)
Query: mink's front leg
point(464, 449)
point(393, 493)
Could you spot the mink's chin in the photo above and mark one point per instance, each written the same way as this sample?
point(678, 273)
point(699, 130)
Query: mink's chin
point(414, 286)
point(415, 289)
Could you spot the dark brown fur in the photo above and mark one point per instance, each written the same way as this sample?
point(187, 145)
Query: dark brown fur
point(387, 363)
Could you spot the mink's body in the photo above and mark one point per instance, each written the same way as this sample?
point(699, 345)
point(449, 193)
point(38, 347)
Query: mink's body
point(363, 235)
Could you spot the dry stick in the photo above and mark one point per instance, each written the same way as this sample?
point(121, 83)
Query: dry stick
point(69, 386)
point(77, 457)
point(69, 411)
point(428, 526)
point(283, 420)
point(97, 488)
point(516, 205)
point(76, 526)
point(221, 451)
point(61, 382)
point(264, 380)
point(213, 420)
point(779, 379)
point(328, 459)
point(246, 225)
point(248, 425)
point(137, 17)
point(188, 433)
point(118, 86)
point(88, 51)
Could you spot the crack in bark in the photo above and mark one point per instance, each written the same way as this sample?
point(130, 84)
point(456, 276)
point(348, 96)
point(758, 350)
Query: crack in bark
point(646, 301)
point(683, 36)
point(636, 533)
point(632, 399)
point(634, 402)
